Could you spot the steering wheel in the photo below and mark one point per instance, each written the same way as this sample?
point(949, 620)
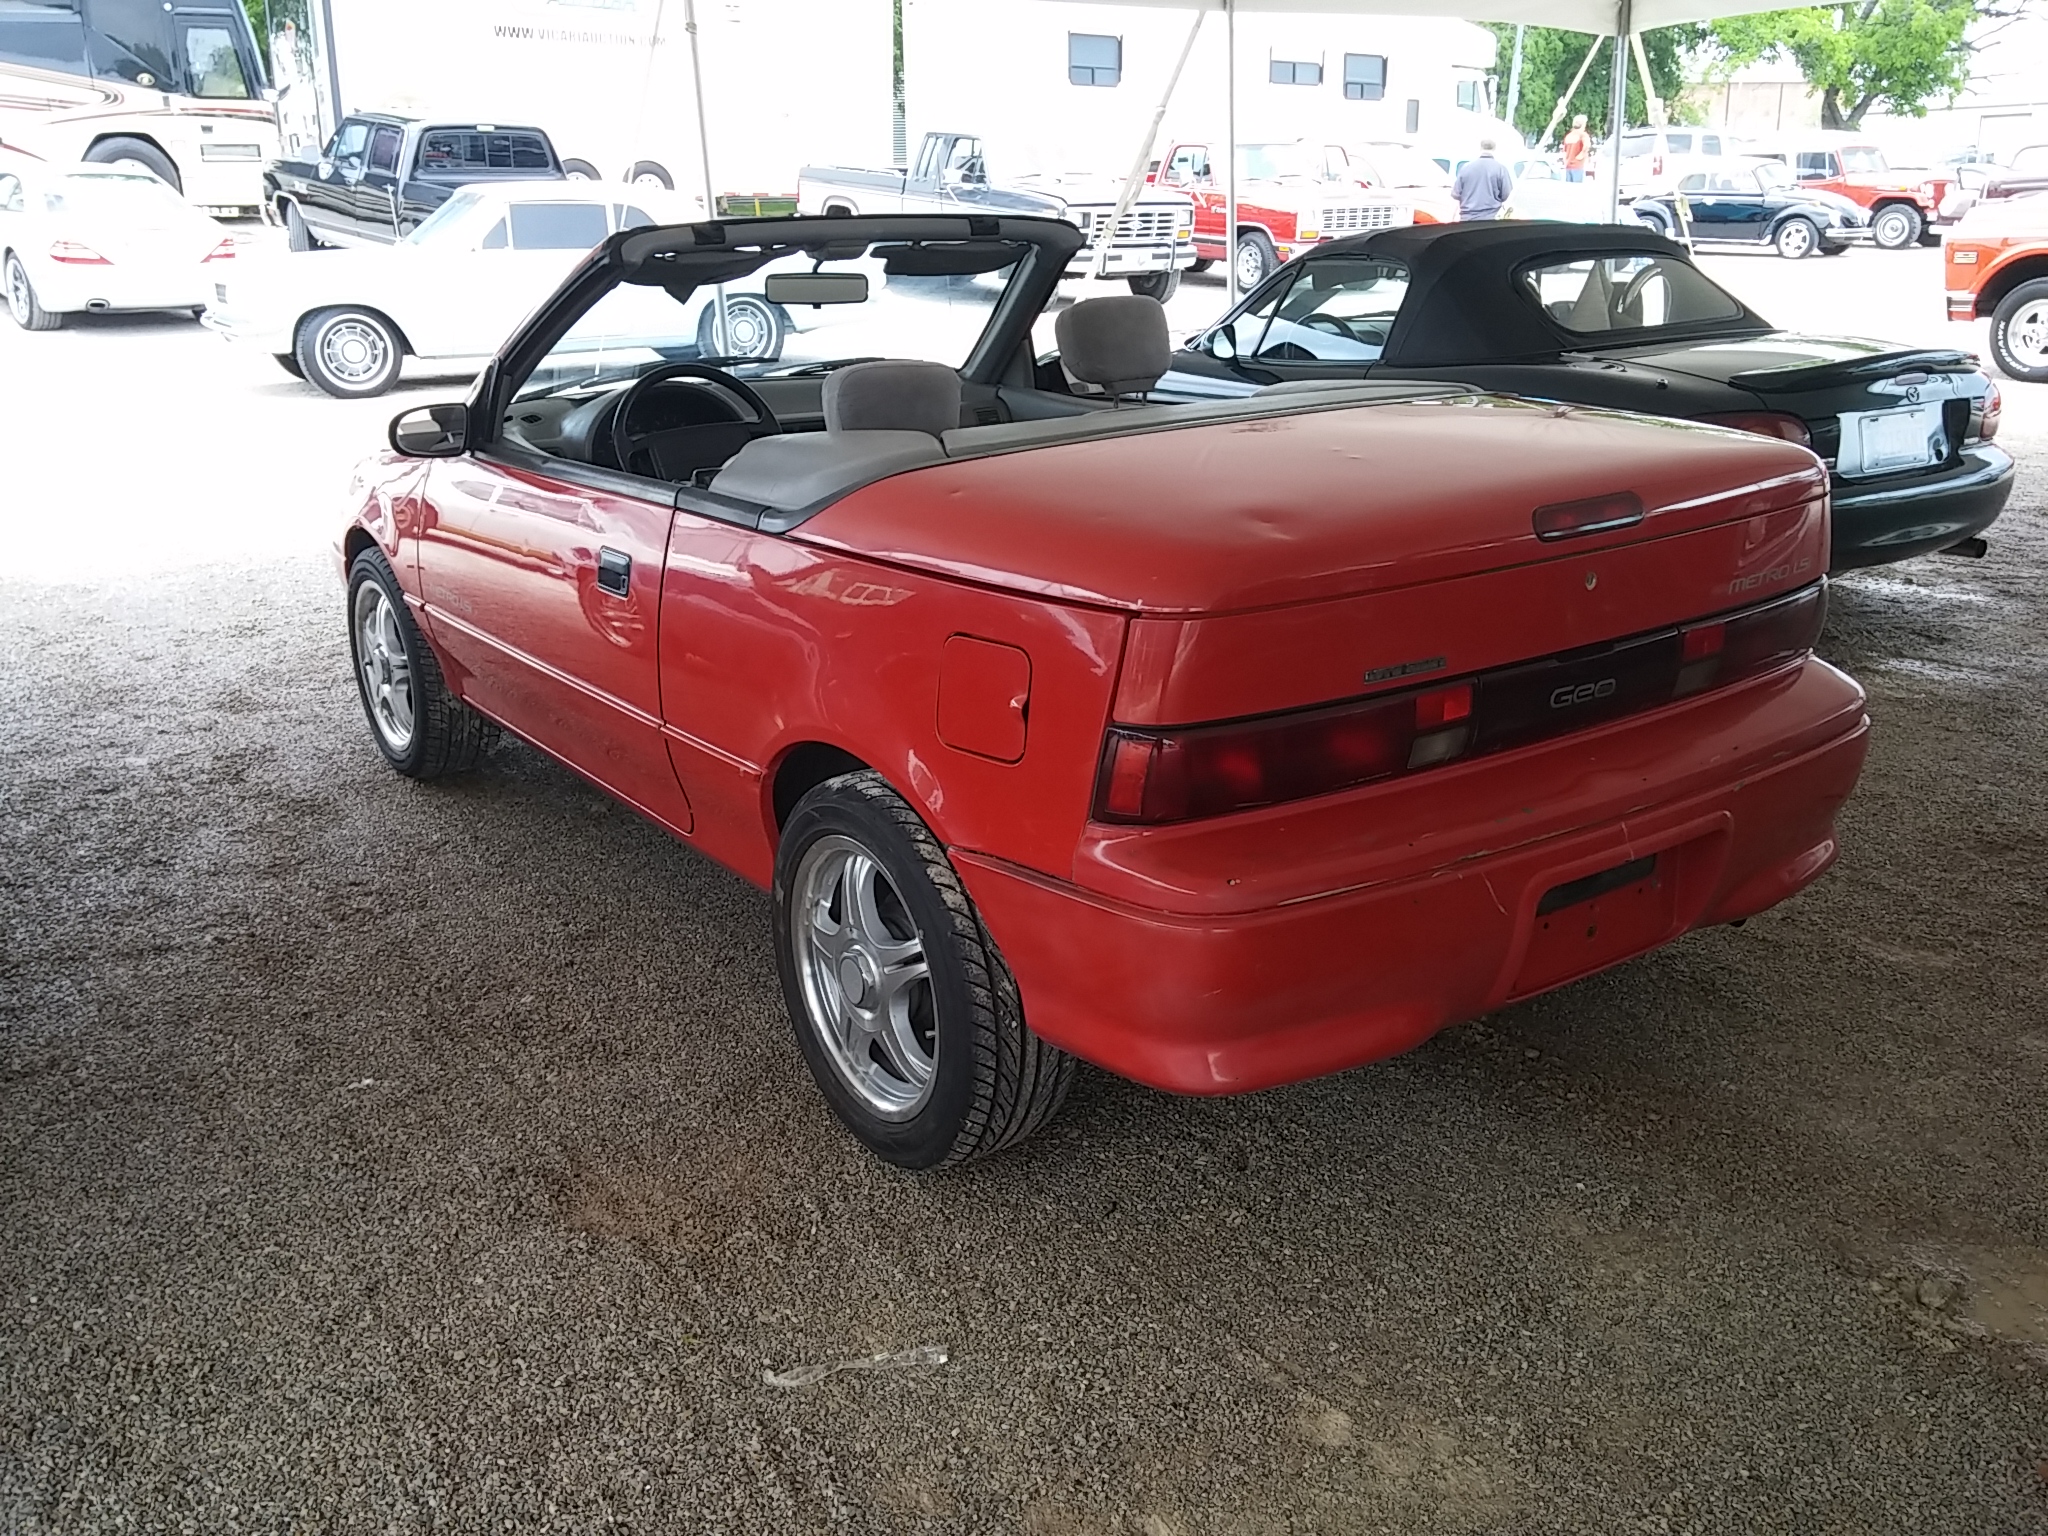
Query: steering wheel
point(626, 442)
point(1330, 325)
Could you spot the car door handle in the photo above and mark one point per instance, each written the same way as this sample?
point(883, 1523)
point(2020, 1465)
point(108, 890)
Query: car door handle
point(614, 572)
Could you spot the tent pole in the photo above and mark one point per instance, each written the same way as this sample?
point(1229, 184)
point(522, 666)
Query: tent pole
point(1515, 75)
point(1657, 120)
point(1624, 23)
point(1107, 233)
point(1564, 101)
point(1230, 154)
point(724, 337)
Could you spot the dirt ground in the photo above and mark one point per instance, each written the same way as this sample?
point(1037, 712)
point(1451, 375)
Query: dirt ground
point(384, 1158)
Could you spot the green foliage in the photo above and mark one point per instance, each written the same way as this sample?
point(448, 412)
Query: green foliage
point(1550, 56)
point(266, 17)
point(1901, 54)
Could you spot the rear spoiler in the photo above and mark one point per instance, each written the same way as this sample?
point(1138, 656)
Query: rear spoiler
point(1832, 375)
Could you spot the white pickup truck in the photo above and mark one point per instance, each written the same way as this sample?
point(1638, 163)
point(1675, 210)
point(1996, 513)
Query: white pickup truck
point(1154, 242)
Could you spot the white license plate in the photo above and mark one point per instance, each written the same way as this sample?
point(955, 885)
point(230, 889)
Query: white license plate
point(1880, 442)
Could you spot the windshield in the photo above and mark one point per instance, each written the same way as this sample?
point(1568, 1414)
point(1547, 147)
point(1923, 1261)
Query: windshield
point(1863, 158)
point(768, 330)
point(1275, 162)
point(445, 224)
point(1772, 173)
point(115, 195)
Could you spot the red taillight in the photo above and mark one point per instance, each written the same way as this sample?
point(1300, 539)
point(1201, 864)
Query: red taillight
point(1764, 423)
point(1994, 406)
point(225, 251)
point(72, 254)
point(1723, 651)
point(1151, 777)
point(1596, 514)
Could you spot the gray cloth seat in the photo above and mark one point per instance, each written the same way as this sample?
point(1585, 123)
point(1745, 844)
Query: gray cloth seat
point(1120, 344)
point(881, 418)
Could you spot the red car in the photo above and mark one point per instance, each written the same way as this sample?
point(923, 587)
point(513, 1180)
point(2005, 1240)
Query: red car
point(1221, 744)
point(1997, 265)
point(1289, 199)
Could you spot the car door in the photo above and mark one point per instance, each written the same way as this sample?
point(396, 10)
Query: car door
point(376, 193)
point(1749, 204)
point(328, 203)
point(544, 597)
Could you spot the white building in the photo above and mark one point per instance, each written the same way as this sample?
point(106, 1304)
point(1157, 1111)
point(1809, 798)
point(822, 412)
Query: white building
point(1064, 85)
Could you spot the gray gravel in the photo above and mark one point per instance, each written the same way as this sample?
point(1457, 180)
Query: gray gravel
point(377, 1158)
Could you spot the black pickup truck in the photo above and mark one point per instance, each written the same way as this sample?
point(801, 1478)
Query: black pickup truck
point(380, 176)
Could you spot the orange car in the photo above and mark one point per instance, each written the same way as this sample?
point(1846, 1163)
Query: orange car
point(1996, 262)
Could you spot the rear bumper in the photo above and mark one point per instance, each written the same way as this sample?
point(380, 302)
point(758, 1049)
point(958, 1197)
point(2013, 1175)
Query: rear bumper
point(74, 288)
point(1216, 1002)
point(1875, 525)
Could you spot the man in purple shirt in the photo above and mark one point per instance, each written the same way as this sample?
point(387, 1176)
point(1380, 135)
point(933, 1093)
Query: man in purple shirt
point(1482, 185)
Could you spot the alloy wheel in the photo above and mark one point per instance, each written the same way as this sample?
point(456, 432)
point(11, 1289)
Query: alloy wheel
point(385, 667)
point(2026, 335)
point(865, 979)
point(1795, 239)
point(1251, 266)
point(750, 331)
point(19, 295)
point(354, 352)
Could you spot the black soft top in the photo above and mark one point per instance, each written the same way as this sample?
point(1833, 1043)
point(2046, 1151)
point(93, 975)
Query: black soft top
point(1464, 305)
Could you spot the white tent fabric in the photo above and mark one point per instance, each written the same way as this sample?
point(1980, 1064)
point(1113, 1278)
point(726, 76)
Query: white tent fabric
point(1612, 18)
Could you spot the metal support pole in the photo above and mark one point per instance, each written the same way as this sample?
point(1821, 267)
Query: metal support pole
point(1655, 104)
point(1557, 112)
point(1107, 233)
point(1230, 154)
point(1618, 103)
point(1515, 76)
point(723, 340)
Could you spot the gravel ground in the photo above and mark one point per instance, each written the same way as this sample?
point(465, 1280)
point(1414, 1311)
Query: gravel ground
point(377, 1158)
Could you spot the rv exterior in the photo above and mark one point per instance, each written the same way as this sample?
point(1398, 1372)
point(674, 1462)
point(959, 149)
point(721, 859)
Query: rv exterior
point(176, 89)
point(785, 81)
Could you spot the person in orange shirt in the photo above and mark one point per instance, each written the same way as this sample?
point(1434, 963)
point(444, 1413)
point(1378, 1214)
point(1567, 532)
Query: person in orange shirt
point(1578, 149)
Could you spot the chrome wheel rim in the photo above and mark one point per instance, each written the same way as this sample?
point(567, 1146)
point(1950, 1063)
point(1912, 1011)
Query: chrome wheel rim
point(1795, 239)
point(2026, 335)
point(866, 984)
point(354, 352)
point(384, 667)
point(1891, 229)
point(18, 292)
point(1251, 266)
point(749, 331)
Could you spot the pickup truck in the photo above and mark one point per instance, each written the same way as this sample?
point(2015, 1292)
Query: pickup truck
point(1152, 245)
point(1904, 204)
point(380, 176)
point(1289, 199)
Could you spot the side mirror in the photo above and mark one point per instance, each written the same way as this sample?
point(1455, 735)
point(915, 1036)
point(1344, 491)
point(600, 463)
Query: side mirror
point(1222, 344)
point(431, 431)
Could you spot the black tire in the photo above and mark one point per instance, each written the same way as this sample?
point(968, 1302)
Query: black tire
point(1796, 237)
point(1156, 285)
point(1833, 250)
point(580, 170)
point(993, 1083)
point(297, 234)
point(759, 328)
point(654, 171)
point(1654, 221)
point(22, 304)
point(1256, 259)
point(289, 364)
point(143, 153)
point(1896, 227)
point(2023, 308)
point(325, 347)
point(1202, 264)
point(447, 736)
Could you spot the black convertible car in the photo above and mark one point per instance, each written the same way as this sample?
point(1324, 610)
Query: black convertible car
point(1621, 318)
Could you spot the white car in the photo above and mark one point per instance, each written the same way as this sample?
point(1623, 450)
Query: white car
point(458, 285)
point(101, 238)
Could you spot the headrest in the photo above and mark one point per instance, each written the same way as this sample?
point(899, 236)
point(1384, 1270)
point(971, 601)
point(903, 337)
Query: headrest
point(892, 397)
point(1119, 344)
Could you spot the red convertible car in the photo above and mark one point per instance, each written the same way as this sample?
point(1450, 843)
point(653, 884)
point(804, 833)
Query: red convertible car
point(1221, 744)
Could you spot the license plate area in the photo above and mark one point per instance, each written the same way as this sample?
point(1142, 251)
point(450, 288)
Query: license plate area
point(1885, 442)
point(1587, 924)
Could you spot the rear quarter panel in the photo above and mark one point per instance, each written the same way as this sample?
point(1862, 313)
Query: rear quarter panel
point(768, 643)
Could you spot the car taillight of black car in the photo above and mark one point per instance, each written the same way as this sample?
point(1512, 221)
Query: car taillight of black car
point(1153, 777)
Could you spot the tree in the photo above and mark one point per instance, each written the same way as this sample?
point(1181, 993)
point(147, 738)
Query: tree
point(1551, 55)
point(1898, 54)
point(267, 17)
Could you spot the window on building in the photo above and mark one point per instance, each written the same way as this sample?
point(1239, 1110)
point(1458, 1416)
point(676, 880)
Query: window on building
point(1365, 76)
point(1093, 59)
point(1468, 95)
point(1295, 72)
point(1414, 119)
